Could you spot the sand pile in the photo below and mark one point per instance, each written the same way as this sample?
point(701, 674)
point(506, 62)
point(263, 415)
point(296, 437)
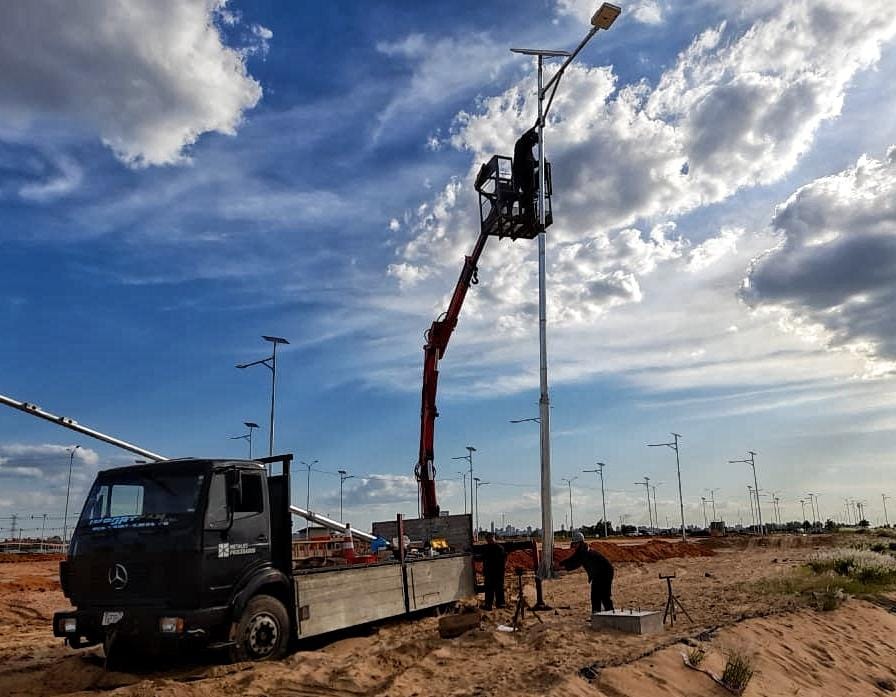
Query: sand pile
point(654, 550)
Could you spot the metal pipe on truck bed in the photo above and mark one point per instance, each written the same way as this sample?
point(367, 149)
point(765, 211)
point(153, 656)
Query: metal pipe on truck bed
point(330, 523)
point(35, 410)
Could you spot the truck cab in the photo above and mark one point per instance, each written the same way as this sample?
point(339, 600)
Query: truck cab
point(183, 549)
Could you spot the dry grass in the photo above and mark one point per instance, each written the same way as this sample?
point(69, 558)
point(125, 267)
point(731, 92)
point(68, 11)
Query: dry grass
point(738, 671)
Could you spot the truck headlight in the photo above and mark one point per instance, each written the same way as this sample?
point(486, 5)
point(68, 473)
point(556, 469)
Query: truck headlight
point(171, 625)
point(69, 625)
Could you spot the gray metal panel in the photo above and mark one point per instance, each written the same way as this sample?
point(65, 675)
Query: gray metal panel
point(347, 597)
point(438, 581)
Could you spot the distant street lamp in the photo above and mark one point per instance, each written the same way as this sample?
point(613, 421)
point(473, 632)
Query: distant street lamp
point(646, 485)
point(271, 364)
point(712, 498)
point(308, 466)
point(603, 498)
point(752, 463)
point(884, 498)
point(602, 19)
point(656, 516)
point(247, 436)
point(569, 481)
point(68, 490)
point(469, 458)
point(479, 483)
point(705, 523)
point(674, 446)
point(343, 475)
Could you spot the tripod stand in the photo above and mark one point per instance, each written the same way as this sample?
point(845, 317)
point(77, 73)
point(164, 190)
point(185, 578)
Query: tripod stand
point(671, 602)
point(521, 604)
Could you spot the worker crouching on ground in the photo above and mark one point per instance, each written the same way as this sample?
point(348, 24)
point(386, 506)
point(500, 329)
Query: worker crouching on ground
point(493, 560)
point(598, 568)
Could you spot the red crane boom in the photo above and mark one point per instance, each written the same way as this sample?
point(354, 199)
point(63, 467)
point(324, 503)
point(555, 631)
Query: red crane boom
point(437, 338)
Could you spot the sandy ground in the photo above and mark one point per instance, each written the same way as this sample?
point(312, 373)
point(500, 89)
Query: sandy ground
point(798, 651)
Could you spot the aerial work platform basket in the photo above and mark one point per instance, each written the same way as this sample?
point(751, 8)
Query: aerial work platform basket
point(500, 212)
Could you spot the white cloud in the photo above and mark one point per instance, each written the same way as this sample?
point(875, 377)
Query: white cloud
point(833, 274)
point(147, 77)
point(66, 178)
point(644, 11)
point(738, 110)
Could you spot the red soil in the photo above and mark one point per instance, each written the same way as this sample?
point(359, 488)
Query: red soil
point(654, 550)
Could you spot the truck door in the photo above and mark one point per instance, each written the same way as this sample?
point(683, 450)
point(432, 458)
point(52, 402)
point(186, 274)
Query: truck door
point(237, 532)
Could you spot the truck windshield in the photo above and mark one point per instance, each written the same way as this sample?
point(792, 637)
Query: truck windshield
point(142, 500)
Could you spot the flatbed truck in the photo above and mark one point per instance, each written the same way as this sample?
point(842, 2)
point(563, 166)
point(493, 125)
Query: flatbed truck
point(199, 551)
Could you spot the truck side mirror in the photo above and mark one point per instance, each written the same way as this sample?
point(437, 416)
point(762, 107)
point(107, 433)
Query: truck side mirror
point(234, 493)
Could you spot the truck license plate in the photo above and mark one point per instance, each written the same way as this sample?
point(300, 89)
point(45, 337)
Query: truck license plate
point(112, 617)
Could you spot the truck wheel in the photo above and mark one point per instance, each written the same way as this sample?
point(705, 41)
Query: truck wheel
point(262, 632)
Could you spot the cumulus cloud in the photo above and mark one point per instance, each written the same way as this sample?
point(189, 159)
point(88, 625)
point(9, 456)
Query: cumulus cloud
point(833, 275)
point(644, 11)
point(40, 461)
point(734, 111)
point(147, 77)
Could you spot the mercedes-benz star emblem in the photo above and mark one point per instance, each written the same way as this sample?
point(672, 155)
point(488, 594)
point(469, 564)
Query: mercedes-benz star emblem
point(118, 577)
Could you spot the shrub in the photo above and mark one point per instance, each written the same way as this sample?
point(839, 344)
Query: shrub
point(862, 565)
point(696, 656)
point(738, 671)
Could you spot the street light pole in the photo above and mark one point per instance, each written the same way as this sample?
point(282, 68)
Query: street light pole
point(603, 498)
point(569, 482)
point(271, 364)
point(479, 483)
point(712, 495)
point(646, 485)
point(884, 498)
point(464, 476)
point(343, 475)
point(656, 516)
point(308, 492)
point(803, 505)
point(602, 19)
point(752, 463)
point(247, 436)
point(469, 458)
point(68, 490)
point(705, 522)
point(674, 446)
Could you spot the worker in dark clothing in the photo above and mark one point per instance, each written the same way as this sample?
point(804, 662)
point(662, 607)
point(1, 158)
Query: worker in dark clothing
point(598, 568)
point(493, 560)
point(524, 164)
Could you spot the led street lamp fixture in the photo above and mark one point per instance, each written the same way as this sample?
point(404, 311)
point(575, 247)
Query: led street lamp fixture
point(605, 16)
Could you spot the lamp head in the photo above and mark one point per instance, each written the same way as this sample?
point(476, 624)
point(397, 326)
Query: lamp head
point(605, 16)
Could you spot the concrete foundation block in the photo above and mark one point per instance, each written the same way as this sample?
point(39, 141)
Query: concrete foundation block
point(631, 621)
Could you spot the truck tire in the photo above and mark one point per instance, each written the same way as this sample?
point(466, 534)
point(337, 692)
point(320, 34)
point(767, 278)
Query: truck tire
point(262, 632)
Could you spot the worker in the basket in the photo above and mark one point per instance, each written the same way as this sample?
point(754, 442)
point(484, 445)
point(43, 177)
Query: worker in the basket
point(494, 558)
point(598, 568)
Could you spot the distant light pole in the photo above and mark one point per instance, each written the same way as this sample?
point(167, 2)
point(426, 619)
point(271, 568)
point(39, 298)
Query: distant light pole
point(271, 364)
point(603, 499)
point(308, 466)
point(803, 504)
point(752, 507)
point(712, 498)
point(68, 490)
point(646, 485)
point(569, 481)
point(705, 521)
point(884, 498)
point(479, 483)
point(812, 508)
point(602, 19)
point(674, 446)
point(752, 463)
point(247, 436)
point(343, 475)
point(464, 476)
point(656, 516)
point(469, 458)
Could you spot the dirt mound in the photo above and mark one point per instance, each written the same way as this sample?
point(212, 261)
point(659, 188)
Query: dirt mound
point(654, 550)
point(40, 584)
point(8, 558)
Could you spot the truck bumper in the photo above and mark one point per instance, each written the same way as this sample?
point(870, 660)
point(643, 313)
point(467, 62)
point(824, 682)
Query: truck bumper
point(86, 627)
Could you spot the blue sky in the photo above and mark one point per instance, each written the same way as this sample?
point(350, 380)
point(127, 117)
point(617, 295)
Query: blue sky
point(178, 178)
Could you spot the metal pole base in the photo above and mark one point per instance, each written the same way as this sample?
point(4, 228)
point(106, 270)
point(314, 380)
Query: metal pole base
point(539, 598)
